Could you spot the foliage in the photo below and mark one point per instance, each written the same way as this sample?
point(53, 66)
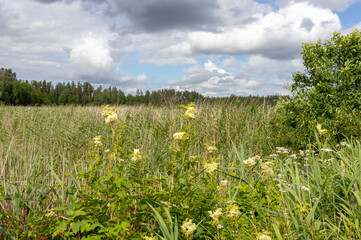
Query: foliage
point(328, 93)
point(182, 189)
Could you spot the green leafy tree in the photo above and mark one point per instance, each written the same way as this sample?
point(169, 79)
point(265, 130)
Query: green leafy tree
point(328, 92)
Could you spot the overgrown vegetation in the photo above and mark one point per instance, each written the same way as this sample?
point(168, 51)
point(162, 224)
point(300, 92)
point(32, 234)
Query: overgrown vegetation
point(211, 170)
point(328, 93)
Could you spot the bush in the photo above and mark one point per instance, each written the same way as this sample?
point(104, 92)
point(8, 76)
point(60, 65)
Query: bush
point(328, 93)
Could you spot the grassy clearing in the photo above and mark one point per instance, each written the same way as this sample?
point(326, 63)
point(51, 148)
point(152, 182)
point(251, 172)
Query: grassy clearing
point(55, 178)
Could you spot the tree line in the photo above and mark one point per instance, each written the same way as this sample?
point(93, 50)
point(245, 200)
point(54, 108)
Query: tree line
point(14, 91)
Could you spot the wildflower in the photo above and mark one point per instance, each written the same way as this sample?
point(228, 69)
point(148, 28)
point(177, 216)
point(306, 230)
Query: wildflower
point(136, 155)
point(223, 183)
point(190, 113)
point(233, 211)
point(149, 238)
point(273, 155)
point(111, 118)
point(326, 149)
point(320, 130)
point(111, 156)
point(110, 115)
point(188, 227)
point(250, 162)
point(293, 156)
point(50, 214)
point(212, 149)
point(305, 188)
point(210, 167)
point(220, 226)
point(345, 144)
point(266, 169)
point(282, 150)
point(215, 215)
point(180, 135)
point(97, 140)
point(264, 237)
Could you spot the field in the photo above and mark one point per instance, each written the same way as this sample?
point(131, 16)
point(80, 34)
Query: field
point(163, 173)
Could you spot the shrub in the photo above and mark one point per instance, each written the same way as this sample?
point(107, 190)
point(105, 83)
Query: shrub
point(328, 93)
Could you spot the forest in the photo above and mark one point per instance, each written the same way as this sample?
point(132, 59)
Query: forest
point(14, 91)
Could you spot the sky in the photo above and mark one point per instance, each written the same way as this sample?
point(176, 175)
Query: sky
point(214, 47)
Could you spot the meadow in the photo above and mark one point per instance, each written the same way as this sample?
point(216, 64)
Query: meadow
point(208, 171)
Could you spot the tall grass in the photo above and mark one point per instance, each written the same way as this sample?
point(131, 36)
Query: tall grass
point(314, 194)
point(35, 140)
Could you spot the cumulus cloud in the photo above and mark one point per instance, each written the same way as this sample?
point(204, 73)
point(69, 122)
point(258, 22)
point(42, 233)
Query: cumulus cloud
point(48, 39)
point(91, 56)
point(276, 35)
point(212, 80)
point(240, 77)
point(161, 15)
point(276, 71)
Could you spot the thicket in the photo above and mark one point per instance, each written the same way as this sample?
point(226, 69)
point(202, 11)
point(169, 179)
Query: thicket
point(327, 94)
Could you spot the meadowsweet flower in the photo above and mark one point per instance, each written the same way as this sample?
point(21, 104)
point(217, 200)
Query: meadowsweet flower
point(250, 162)
point(320, 130)
point(233, 211)
point(304, 188)
point(50, 214)
point(211, 167)
point(149, 238)
point(180, 135)
point(188, 227)
point(212, 149)
point(273, 155)
point(220, 226)
point(136, 155)
point(109, 114)
point(215, 215)
point(266, 169)
point(223, 183)
point(191, 112)
point(111, 118)
point(97, 141)
point(264, 237)
point(111, 156)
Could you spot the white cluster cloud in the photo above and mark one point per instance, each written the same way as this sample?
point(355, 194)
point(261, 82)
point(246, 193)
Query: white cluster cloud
point(277, 35)
point(91, 56)
point(49, 39)
point(212, 80)
point(240, 77)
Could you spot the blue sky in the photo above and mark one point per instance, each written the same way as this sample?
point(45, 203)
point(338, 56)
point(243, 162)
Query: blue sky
point(215, 47)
